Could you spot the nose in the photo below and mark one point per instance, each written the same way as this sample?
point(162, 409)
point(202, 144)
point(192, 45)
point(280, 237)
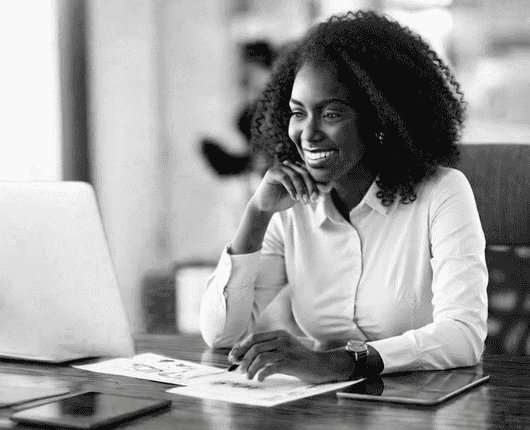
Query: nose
point(311, 129)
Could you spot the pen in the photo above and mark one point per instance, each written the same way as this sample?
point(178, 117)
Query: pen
point(232, 367)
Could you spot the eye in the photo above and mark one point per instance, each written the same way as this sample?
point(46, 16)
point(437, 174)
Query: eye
point(297, 114)
point(332, 115)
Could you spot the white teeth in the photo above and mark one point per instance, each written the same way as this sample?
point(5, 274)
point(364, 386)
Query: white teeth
point(314, 156)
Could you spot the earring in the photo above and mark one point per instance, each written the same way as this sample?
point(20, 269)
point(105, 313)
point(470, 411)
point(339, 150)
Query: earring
point(380, 137)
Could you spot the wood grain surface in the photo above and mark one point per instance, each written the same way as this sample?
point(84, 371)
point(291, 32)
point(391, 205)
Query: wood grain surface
point(502, 403)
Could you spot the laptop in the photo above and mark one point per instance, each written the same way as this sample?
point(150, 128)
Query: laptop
point(59, 296)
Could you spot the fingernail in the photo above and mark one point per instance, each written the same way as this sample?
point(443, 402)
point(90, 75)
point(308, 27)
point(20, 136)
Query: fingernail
point(314, 196)
point(304, 198)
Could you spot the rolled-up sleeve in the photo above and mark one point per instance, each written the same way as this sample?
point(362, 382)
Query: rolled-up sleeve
point(240, 289)
point(456, 336)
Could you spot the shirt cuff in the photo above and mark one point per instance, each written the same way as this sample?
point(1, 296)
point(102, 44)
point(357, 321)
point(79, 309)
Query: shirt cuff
point(236, 271)
point(398, 353)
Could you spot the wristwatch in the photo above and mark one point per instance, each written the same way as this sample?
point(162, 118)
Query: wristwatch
point(359, 352)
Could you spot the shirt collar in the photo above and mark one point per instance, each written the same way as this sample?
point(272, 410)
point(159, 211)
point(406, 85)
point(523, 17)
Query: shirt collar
point(325, 209)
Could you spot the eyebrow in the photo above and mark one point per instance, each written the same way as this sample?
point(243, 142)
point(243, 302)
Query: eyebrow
point(321, 103)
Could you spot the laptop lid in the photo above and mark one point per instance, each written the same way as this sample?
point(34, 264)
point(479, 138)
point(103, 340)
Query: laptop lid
point(59, 296)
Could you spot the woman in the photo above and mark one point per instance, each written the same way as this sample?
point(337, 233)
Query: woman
point(380, 247)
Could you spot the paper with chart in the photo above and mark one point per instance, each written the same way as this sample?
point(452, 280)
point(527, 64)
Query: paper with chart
point(208, 382)
point(153, 367)
point(236, 388)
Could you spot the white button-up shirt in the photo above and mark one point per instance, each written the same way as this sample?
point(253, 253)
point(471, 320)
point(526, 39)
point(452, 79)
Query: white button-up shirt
point(410, 279)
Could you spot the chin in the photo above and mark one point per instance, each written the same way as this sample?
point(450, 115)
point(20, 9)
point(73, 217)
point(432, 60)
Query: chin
point(321, 176)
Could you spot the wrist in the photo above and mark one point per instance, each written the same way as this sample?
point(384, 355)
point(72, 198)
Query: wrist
point(374, 364)
point(336, 365)
point(339, 365)
point(254, 209)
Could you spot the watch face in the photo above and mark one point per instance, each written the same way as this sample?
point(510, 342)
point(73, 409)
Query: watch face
point(355, 346)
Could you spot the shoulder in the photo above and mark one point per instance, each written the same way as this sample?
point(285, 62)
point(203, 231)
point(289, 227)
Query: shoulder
point(446, 181)
point(447, 189)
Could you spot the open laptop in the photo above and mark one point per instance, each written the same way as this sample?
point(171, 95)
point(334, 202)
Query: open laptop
point(59, 297)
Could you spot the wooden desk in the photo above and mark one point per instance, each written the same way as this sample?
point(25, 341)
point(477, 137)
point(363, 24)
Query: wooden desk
point(502, 403)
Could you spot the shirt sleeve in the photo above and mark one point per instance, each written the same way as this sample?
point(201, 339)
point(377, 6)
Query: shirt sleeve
point(240, 288)
point(456, 336)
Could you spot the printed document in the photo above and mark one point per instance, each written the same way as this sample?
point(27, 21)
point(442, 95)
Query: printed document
point(208, 382)
point(236, 388)
point(153, 367)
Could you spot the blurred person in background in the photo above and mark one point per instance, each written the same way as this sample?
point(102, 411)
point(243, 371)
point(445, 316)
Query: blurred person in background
point(258, 57)
point(376, 246)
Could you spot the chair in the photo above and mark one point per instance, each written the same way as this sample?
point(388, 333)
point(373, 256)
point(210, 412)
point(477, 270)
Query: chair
point(499, 175)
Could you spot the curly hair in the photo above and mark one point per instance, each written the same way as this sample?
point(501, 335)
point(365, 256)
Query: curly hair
point(403, 91)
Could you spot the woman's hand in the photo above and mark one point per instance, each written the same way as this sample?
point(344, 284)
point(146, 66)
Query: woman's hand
point(267, 353)
point(283, 185)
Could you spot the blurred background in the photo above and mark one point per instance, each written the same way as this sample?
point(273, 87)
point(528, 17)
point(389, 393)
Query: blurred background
point(148, 100)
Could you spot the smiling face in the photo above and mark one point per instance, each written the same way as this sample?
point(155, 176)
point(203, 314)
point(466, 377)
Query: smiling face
point(324, 126)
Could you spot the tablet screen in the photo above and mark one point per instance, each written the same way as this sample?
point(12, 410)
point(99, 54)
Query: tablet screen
point(88, 410)
point(421, 387)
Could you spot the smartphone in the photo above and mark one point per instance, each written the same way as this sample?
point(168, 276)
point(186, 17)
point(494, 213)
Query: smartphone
point(88, 410)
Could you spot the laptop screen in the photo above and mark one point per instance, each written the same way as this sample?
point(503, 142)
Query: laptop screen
point(59, 296)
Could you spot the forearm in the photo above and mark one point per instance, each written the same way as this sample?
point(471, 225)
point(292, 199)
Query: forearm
point(251, 231)
point(221, 327)
point(235, 297)
point(444, 344)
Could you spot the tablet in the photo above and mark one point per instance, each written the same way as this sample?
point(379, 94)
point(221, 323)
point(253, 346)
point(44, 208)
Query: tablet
point(416, 388)
point(10, 395)
point(88, 410)
point(65, 357)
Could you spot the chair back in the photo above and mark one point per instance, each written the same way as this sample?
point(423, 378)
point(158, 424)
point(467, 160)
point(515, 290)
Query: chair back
point(500, 178)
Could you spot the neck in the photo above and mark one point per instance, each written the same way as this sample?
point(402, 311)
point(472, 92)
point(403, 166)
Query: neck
point(351, 188)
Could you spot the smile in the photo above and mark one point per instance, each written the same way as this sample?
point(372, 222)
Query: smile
point(319, 158)
point(318, 155)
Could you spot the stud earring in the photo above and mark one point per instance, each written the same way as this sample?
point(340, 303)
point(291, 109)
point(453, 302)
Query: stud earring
point(380, 137)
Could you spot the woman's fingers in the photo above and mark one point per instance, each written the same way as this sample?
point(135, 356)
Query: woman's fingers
point(238, 351)
point(315, 189)
point(267, 353)
point(284, 184)
point(255, 351)
point(297, 180)
point(284, 178)
point(269, 369)
point(259, 350)
point(310, 184)
point(262, 360)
